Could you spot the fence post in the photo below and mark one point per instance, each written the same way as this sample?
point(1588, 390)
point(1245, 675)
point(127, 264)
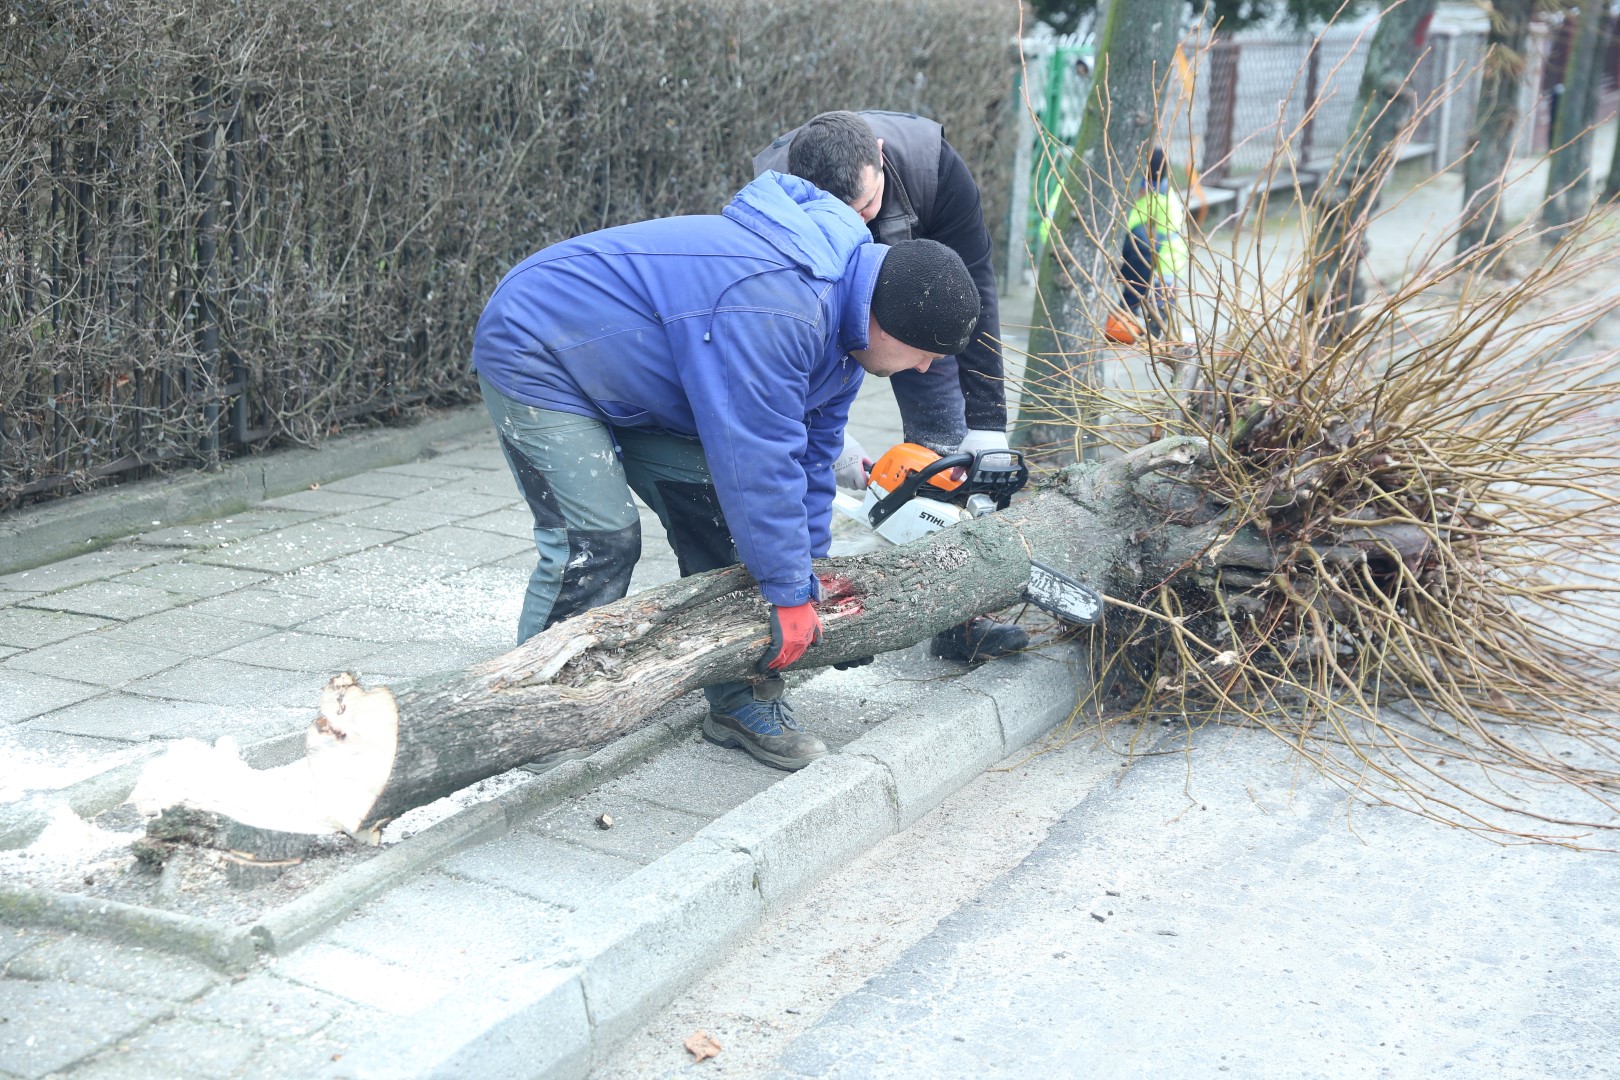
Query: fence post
point(1018, 210)
point(1442, 82)
point(1223, 81)
point(1313, 92)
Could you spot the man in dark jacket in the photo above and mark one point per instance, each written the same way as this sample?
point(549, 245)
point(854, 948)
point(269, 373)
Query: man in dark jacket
point(708, 365)
point(905, 181)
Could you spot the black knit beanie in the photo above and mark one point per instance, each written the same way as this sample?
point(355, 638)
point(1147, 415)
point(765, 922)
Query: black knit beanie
point(926, 297)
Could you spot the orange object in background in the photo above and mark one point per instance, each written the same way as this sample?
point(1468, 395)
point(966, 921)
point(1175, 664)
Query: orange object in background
point(901, 461)
point(1120, 329)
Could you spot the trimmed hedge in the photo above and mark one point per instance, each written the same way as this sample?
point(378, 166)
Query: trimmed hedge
point(226, 223)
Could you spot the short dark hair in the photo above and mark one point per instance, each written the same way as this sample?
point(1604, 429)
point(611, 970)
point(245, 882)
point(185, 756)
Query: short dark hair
point(1158, 166)
point(832, 150)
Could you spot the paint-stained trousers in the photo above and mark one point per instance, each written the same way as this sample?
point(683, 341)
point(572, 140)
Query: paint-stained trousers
point(577, 474)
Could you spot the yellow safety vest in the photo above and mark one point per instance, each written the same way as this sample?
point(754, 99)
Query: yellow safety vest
point(1167, 217)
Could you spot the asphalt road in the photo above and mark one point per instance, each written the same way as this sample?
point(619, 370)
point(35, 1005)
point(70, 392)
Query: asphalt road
point(1216, 912)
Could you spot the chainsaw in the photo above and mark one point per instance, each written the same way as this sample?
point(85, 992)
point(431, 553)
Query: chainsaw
point(912, 492)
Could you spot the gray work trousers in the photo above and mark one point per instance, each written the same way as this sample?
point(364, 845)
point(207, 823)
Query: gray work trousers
point(577, 474)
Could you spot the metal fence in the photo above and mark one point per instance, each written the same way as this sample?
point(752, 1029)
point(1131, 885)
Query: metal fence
point(1238, 106)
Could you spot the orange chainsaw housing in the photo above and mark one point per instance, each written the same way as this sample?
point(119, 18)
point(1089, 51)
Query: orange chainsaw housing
point(901, 461)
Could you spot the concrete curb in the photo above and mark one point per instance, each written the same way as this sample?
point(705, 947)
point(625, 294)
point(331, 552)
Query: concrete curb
point(234, 948)
point(659, 928)
point(229, 948)
point(53, 531)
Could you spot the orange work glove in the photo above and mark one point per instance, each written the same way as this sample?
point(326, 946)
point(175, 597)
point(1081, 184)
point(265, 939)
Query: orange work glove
point(793, 631)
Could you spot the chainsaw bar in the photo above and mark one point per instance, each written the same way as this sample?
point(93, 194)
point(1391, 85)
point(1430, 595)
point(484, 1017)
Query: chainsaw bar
point(1056, 592)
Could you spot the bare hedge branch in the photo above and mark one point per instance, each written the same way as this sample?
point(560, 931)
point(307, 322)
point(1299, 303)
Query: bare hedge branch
point(225, 223)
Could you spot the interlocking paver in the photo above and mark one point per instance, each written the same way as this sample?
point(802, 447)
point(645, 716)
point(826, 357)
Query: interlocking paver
point(362, 979)
point(470, 547)
point(134, 718)
point(524, 560)
point(92, 566)
point(192, 580)
point(50, 1025)
point(434, 907)
point(322, 501)
point(394, 560)
point(25, 693)
point(393, 626)
point(221, 682)
point(97, 962)
point(207, 534)
point(108, 600)
point(416, 659)
point(371, 577)
point(390, 518)
point(512, 521)
point(696, 778)
point(475, 457)
point(641, 831)
point(459, 501)
point(176, 1049)
point(485, 593)
point(92, 658)
point(385, 485)
point(492, 483)
point(432, 467)
point(294, 650)
point(270, 1006)
point(551, 870)
point(297, 547)
point(268, 607)
point(30, 628)
point(186, 629)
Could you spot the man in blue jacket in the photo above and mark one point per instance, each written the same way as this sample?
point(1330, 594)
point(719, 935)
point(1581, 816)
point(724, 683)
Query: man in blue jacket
point(707, 364)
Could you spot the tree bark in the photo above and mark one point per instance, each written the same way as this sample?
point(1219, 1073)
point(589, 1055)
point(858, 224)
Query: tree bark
point(1496, 123)
point(1121, 118)
point(374, 753)
point(1569, 164)
point(1611, 185)
point(1384, 103)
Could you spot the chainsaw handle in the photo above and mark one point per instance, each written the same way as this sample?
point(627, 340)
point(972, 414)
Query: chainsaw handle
point(903, 494)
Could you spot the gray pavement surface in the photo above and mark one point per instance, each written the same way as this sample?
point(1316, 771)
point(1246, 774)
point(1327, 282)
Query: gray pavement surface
point(1219, 911)
point(227, 627)
point(1215, 911)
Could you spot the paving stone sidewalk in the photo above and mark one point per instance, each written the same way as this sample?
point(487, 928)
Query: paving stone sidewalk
point(229, 627)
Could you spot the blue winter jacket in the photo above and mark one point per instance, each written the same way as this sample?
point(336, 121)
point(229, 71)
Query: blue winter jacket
point(733, 329)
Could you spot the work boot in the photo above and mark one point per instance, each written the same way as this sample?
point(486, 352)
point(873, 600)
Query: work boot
point(764, 727)
point(978, 639)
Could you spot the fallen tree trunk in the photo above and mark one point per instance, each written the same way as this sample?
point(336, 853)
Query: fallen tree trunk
point(373, 754)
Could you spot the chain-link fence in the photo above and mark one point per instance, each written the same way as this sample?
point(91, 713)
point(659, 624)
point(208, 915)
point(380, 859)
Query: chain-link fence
point(1237, 107)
